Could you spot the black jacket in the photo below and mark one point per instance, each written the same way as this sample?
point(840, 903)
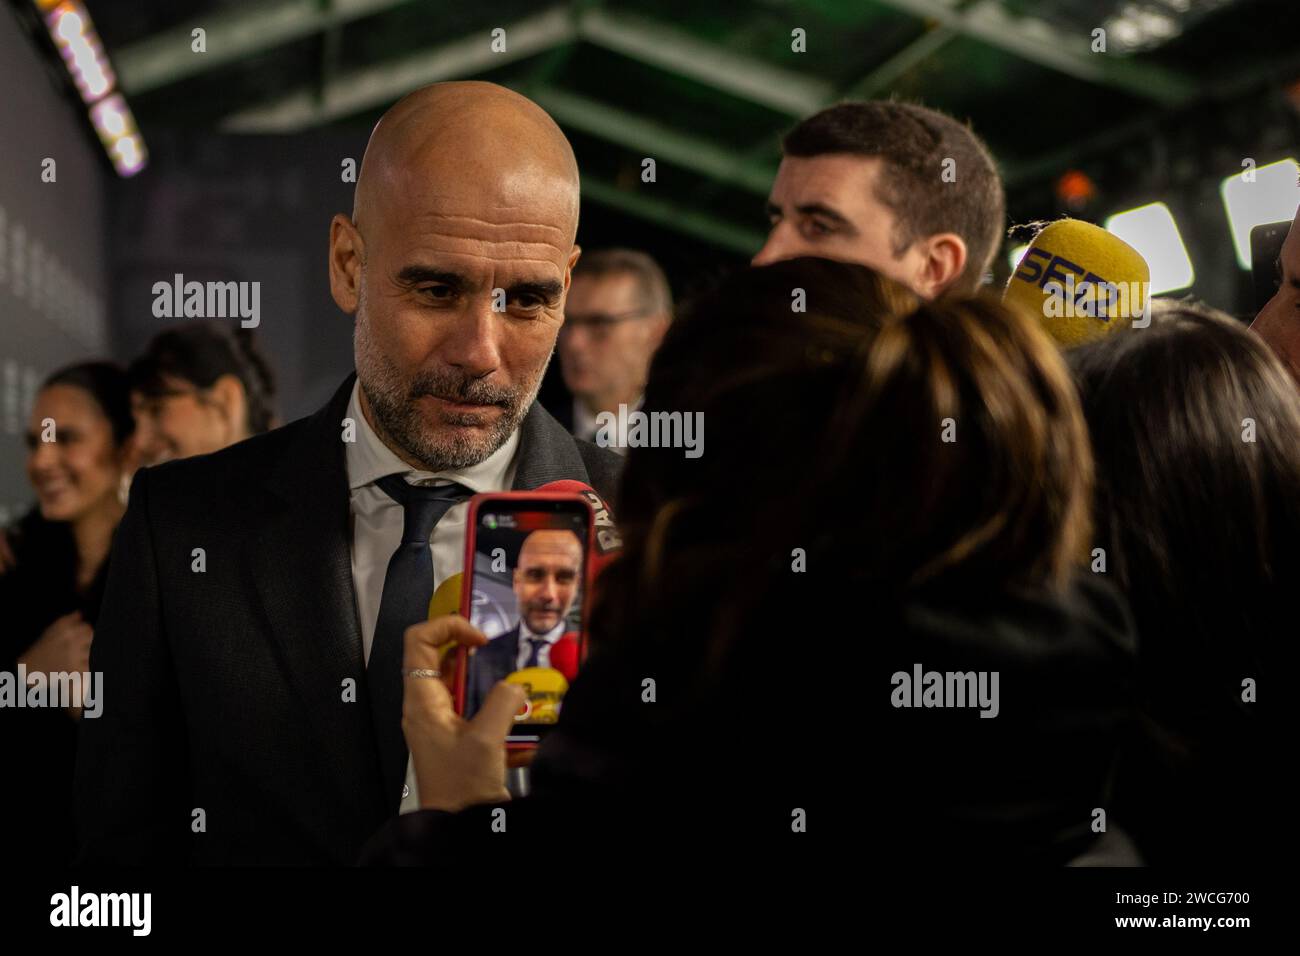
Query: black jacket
point(1206, 782)
point(802, 720)
point(228, 733)
point(40, 745)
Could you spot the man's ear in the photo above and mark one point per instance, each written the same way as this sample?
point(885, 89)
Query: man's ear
point(658, 329)
point(943, 262)
point(574, 256)
point(346, 253)
point(227, 393)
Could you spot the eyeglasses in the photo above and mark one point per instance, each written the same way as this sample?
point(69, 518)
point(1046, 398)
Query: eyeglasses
point(598, 325)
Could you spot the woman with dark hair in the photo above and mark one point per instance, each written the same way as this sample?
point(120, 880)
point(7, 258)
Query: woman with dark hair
point(887, 486)
point(80, 459)
point(1196, 429)
point(200, 387)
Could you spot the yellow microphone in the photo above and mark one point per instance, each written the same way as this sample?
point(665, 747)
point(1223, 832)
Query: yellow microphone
point(545, 687)
point(1081, 282)
point(446, 600)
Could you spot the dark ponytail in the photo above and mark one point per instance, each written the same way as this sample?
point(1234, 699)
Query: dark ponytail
point(202, 352)
point(259, 382)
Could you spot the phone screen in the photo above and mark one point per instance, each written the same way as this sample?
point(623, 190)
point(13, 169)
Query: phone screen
point(527, 588)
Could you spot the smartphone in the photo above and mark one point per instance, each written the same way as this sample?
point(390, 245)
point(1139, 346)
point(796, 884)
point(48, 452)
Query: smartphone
point(528, 561)
point(1265, 246)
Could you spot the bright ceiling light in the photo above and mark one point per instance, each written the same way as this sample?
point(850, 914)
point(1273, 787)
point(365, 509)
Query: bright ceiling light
point(1151, 230)
point(1272, 194)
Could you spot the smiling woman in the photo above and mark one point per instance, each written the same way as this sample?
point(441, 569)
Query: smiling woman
point(199, 387)
point(80, 453)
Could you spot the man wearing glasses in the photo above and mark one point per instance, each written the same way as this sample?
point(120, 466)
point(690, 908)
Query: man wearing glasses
point(618, 310)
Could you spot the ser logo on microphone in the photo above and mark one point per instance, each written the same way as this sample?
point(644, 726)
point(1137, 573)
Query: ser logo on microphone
point(1069, 289)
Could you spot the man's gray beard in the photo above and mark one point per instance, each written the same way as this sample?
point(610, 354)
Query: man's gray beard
point(397, 418)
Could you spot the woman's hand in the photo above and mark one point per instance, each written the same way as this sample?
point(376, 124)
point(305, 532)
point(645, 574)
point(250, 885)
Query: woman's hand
point(457, 762)
point(64, 647)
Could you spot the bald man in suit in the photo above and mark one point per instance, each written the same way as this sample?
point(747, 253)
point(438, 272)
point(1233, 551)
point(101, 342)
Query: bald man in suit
point(547, 574)
point(250, 637)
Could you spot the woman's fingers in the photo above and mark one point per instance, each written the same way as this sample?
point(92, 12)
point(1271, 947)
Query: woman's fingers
point(428, 693)
point(497, 715)
point(439, 739)
point(66, 622)
point(424, 640)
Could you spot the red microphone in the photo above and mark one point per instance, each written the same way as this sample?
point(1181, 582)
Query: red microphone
point(608, 541)
point(564, 655)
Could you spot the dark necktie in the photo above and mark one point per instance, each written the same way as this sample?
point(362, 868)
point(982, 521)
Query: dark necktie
point(538, 643)
point(408, 587)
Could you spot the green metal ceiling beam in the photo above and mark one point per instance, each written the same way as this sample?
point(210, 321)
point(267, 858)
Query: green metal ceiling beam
point(888, 73)
point(231, 35)
point(1038, 42)
point(375, 86)
point(167, 57)
point(163, 59)
point(677, 51)
point(671, 216)
point(646, 138)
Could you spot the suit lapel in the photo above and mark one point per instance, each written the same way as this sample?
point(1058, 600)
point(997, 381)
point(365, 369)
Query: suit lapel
point(302, 564)
point(546, 452)
point(510, 649)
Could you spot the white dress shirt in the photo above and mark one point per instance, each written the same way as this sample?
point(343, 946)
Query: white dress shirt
point(543, 652)
point(377, 522)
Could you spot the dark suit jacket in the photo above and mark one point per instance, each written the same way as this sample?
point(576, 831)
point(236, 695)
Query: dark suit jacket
point(236, 724)
point(494, 662)
point(489, 665)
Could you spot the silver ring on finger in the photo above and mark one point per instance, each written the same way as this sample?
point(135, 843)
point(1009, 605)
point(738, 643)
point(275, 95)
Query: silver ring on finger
point(423, 672)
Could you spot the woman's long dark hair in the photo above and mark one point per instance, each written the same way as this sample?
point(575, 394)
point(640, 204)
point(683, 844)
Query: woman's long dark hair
point(1196, 429)
point(824, 390)
point(202, 352)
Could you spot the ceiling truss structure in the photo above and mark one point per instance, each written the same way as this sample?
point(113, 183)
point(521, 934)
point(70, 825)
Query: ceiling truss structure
point(551, 35)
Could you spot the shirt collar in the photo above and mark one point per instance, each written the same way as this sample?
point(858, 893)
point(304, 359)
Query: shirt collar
point(551, 636)
point(369, 459)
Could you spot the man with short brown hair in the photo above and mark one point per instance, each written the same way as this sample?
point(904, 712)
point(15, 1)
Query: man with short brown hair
point(904, 189)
